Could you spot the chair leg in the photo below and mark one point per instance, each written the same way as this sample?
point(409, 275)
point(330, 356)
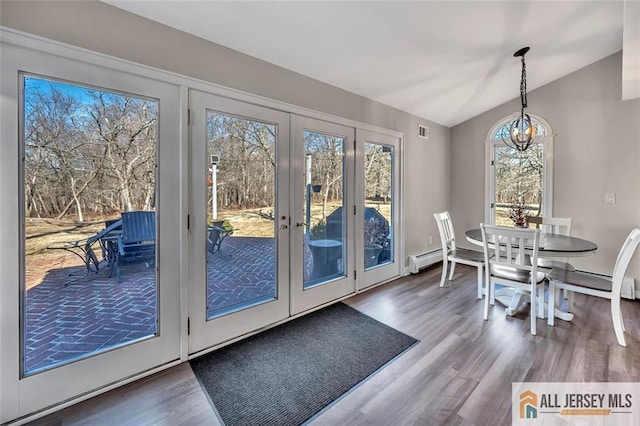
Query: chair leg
point(445, 267)
point(480, 282)
point(452, 270)
point(487, 298)
point(551, 304)
point(534, 313)
point(541, 300)
point(492, 292)
point(616, 316)
point(117, 266)
point(569, 296)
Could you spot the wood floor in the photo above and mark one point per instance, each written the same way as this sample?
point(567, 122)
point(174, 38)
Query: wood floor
point(459, 374)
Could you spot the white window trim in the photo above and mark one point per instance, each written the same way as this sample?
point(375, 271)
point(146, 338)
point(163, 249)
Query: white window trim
point(547, 174)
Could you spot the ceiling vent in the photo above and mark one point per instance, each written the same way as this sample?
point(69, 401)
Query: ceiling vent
point(423, 131)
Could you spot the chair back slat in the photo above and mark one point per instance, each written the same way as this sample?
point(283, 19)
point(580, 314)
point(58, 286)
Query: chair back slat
point(553, 225)
point(445, 228)
point(505, 247)
point(138, 226)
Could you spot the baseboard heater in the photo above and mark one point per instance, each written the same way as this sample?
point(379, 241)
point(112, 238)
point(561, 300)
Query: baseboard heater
point(422, 260)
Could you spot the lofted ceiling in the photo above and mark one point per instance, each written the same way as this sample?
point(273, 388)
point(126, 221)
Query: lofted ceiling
point(445, 61)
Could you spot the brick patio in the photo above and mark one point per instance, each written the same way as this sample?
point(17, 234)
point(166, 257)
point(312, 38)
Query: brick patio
point(96, 312)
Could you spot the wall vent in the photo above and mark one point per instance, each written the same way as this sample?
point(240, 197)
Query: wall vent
point(423, 131)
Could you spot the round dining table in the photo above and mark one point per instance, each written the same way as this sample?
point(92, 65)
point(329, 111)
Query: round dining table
point(550, 246)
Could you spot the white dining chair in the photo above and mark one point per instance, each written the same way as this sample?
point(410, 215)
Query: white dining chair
point(452, 254)
point(505, 251)
point(554, 225)
point(597, 285)
point(557, 226)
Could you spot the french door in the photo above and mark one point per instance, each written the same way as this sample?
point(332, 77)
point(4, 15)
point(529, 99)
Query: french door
point(378, 214)
point(323, 217)
point(81, 146)
point(286, 213)
point(261, 215)
point(239, 218)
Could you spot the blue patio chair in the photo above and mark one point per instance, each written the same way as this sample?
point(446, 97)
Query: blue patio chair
point(137, 242)
point(216, 235)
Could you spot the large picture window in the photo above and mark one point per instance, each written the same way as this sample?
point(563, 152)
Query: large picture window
point(518, 180)
point(89, 179)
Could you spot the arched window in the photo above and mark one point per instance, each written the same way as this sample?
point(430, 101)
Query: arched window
point(515, 179)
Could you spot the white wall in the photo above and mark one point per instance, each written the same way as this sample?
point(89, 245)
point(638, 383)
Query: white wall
point(597, 150)
point(100, 27)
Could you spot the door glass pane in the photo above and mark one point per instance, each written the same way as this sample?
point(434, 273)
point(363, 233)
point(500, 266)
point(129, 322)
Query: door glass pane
point(241, 245)
point(518, 184)
point(89, 211)
point(323, 211)
point(378, 184)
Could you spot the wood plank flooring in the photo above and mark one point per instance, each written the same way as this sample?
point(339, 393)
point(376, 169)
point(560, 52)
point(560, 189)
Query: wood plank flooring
point(459, 374)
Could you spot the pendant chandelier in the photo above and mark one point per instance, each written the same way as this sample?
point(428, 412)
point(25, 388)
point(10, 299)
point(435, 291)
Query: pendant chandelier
point(522, 131)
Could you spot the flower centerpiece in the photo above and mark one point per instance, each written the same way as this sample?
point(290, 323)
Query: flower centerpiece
point(518, 216)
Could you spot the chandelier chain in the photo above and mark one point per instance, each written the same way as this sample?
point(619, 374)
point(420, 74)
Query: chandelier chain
point(522, 131)
point(523, 86)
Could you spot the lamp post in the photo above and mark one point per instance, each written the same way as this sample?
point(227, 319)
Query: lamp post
point(215, 159)
point(307, 222)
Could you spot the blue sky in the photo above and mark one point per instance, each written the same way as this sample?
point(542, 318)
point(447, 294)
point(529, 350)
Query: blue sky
point(46, 86)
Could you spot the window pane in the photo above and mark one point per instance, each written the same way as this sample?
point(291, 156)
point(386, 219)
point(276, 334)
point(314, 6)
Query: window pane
point(518, 182)
point(325, 223)
point(378, 184)
point(241, 260)
point(90, 278)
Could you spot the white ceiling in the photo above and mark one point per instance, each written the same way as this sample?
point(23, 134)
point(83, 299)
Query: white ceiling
point(445, 61)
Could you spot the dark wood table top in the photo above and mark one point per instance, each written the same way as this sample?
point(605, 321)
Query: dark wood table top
point(550, 244)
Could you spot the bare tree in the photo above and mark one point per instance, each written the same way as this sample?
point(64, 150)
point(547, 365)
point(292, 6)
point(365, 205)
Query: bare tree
point(327, 153)
point(87, 150)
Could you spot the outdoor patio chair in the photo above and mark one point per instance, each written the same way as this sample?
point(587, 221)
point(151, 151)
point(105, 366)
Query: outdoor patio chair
point(84, 250)
point(216, 235)
point(137, 242)
point(111, 227)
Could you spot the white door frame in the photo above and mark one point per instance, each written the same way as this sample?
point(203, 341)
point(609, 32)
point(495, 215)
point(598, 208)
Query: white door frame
point(305, 299)
point(208, 333)
point(20, 396)
point(387, 271)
